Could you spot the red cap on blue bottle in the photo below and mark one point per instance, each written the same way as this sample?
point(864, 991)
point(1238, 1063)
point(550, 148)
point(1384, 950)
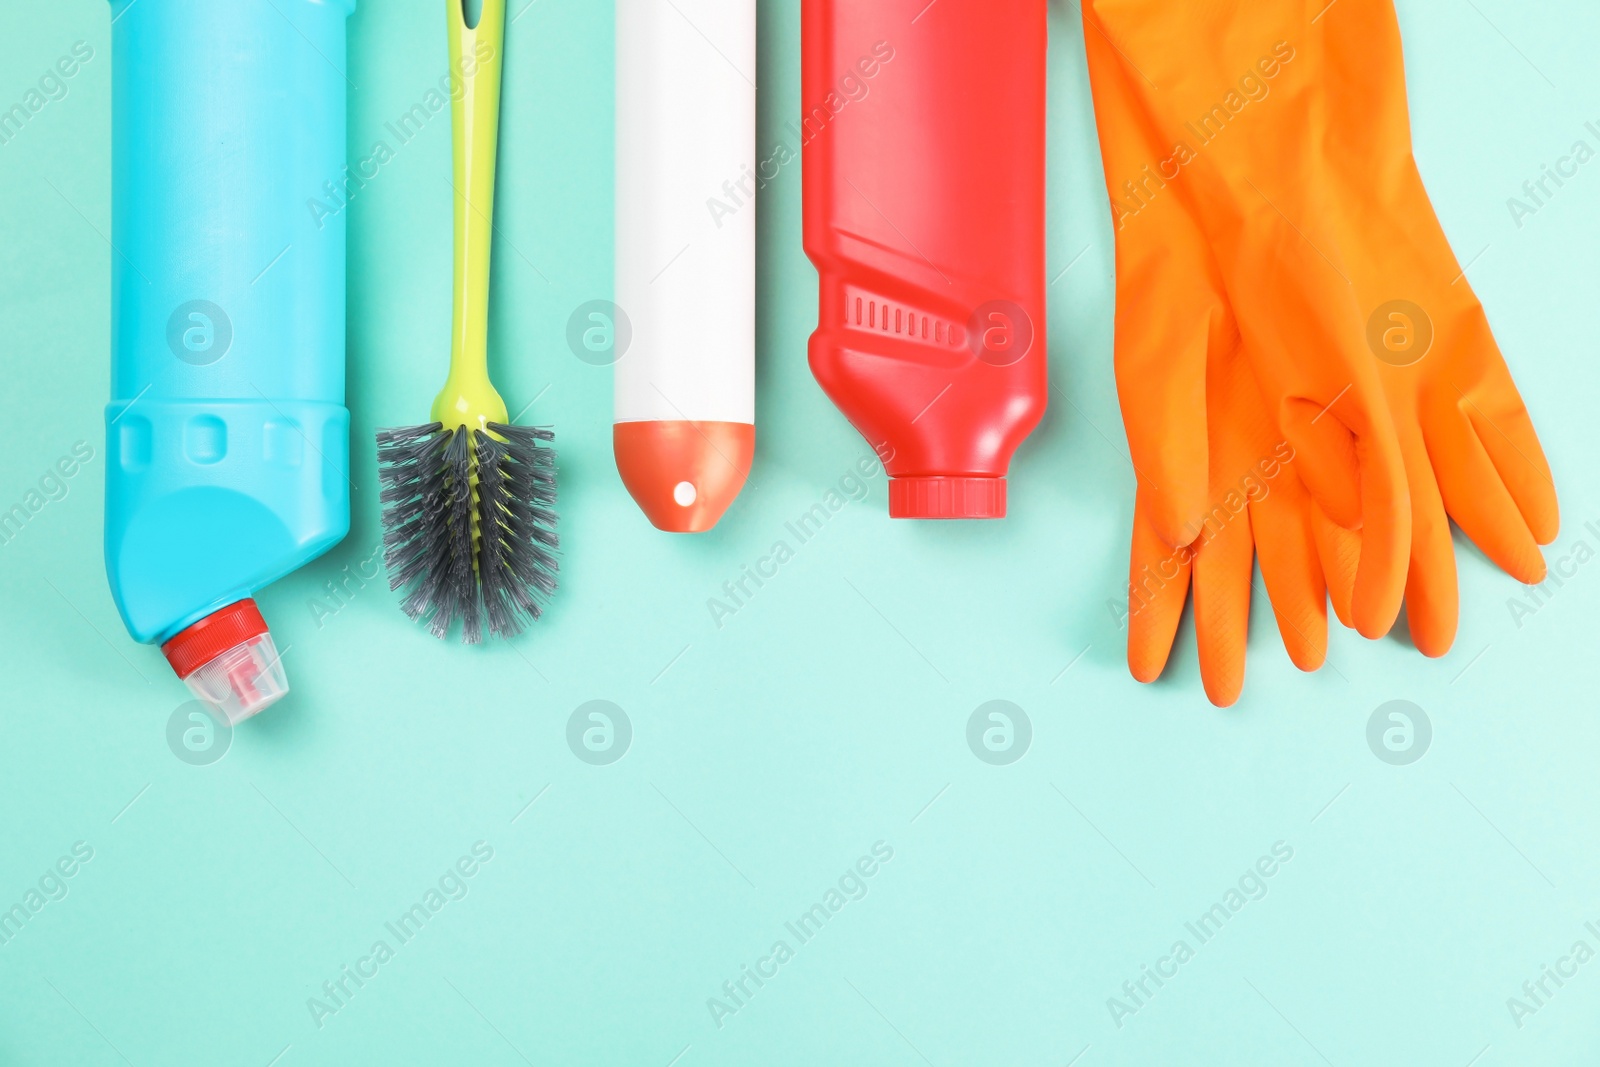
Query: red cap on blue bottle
point(228, 660)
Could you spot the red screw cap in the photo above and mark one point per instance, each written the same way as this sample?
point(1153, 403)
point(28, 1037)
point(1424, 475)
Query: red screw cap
point(947, 498)
point(213, 635)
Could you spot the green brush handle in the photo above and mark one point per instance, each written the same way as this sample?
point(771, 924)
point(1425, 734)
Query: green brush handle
point(468, 397)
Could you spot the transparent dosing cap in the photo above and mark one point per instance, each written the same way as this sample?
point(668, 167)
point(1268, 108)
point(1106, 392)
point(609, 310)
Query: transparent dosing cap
point(243, 680)
point(228, 660)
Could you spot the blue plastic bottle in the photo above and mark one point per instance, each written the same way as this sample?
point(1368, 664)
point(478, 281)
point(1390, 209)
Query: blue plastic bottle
point(227, 435)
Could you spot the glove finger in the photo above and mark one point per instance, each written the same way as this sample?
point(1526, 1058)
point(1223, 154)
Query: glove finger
point(1339, 550)
point(1161, 386)
point(1223, 562)
point(1328, 462)
point(1432, 595)
point(1477, 499)
point(1501, 422)
point(1385, 507)
point(1158, 584)
point(1385, 530)
point(1280, 524)
point(1160, 346)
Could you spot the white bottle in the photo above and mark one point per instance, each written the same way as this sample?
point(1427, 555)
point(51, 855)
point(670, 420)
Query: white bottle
point(685, 255)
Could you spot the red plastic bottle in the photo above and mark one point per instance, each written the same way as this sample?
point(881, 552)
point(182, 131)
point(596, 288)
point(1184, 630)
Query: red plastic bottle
point(924, 162)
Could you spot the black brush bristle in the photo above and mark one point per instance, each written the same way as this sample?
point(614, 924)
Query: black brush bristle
point(517, 553)
point(501, 567)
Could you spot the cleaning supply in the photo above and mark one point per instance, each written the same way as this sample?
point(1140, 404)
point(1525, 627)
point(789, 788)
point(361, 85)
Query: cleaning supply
point(1254, 505)
point(684, 433)
point(924, 192)
point(227, 435)
point(1470, 448)
point(468, 498)
point(1249, 103)
point(1459, 420)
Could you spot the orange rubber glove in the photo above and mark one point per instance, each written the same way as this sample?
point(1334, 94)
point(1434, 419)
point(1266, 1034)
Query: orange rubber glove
point(1465, 434)
point(1232, 88)
point(1171, 299)
point(1469, 445)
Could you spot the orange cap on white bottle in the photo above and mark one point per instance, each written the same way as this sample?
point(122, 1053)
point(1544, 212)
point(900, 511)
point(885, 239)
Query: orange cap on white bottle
point(686, 256)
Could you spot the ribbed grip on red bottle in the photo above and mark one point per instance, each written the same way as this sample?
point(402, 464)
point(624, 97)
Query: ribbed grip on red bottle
point(213, 635)
point(947, 498)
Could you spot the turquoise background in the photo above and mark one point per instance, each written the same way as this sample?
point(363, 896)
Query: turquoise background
point(829, 713)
